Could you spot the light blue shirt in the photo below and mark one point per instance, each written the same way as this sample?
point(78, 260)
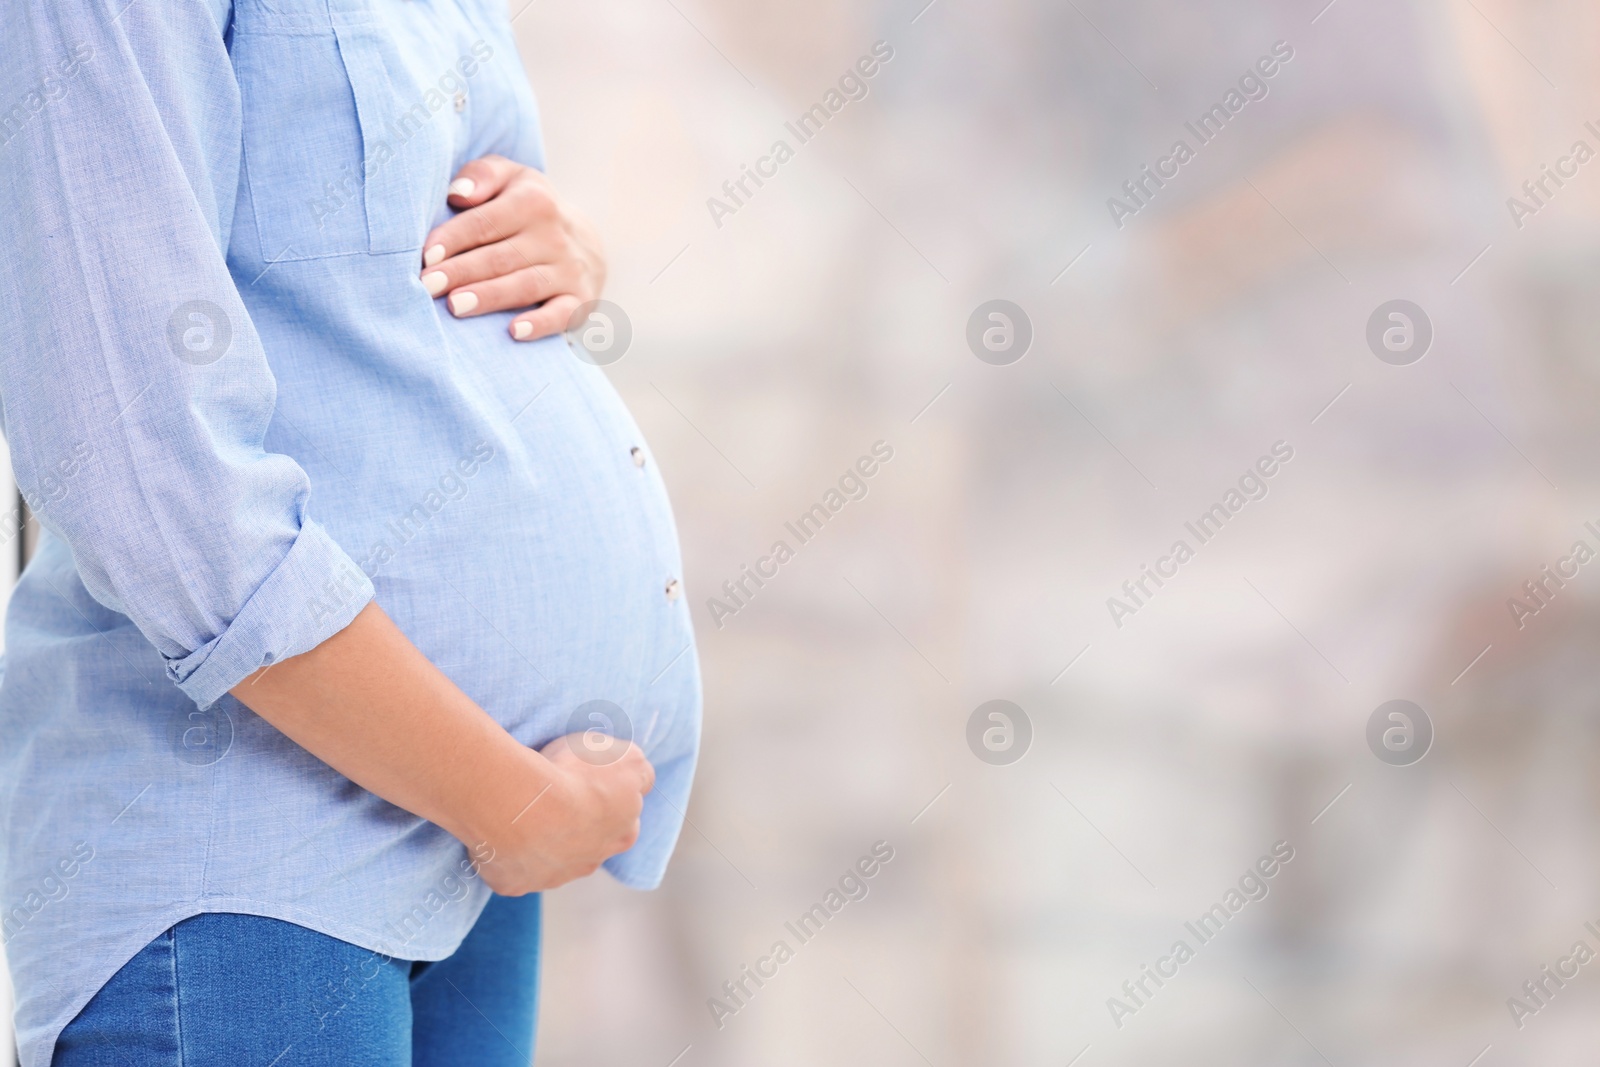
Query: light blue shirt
point(240, 417)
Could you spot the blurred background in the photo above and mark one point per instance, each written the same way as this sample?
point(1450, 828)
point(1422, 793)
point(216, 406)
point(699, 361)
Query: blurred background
point(1160, 759)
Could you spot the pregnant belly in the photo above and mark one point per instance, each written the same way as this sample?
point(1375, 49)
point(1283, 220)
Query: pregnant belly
point(539, 567)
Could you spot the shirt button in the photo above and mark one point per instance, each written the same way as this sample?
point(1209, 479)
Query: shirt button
point(638, 456)
point(674, 590)
point(461, 101)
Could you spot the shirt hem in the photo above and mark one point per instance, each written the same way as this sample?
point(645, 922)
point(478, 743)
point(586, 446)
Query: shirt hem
point(40, 1050)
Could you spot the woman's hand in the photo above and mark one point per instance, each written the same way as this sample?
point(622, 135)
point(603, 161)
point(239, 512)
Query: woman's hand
point(515, 243)
point(586, 812)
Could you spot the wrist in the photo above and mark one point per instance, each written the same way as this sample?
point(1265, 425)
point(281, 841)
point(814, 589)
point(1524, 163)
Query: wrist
point(502, 793)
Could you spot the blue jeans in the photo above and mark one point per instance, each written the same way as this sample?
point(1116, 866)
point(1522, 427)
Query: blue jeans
point(242, 991)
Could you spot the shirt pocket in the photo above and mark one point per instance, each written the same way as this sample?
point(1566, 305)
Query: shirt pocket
point(337, 160)
point(408, 132)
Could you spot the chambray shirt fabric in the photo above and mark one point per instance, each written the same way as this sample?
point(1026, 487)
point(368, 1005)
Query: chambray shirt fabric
point(240, 417)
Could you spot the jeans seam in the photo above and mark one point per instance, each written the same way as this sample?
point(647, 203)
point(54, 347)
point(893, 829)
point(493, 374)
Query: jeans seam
point(177, 1011)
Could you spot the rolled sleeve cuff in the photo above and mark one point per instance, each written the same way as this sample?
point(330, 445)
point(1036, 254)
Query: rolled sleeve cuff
point(313, 594)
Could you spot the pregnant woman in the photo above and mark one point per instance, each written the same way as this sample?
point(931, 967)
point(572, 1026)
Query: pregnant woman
point(348, 561)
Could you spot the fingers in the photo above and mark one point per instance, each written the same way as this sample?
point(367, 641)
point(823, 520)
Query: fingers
point(638, 765)
point(480, 180)
point(473, 228)
point(542, 322)
point(505, 200)
point(648, 781)
point(512, 247)
point(565, 749)
point(498, 260)
point(594, 752)
point(530, 285)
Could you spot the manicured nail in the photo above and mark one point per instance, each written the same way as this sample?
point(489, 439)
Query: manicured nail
point(433, 255)
point(435, 282)
point(522, 330)
point(462, 187)
point(461, 303)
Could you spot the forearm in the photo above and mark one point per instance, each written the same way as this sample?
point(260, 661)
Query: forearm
point(369, 704)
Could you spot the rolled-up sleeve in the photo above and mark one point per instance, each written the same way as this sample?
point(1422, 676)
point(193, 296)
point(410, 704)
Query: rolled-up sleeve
point(136, 393)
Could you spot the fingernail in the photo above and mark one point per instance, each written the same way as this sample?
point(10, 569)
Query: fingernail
point(435, 282)
point(522, 330)
point(461, 303)
point(462, 187)
point(433, 255)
